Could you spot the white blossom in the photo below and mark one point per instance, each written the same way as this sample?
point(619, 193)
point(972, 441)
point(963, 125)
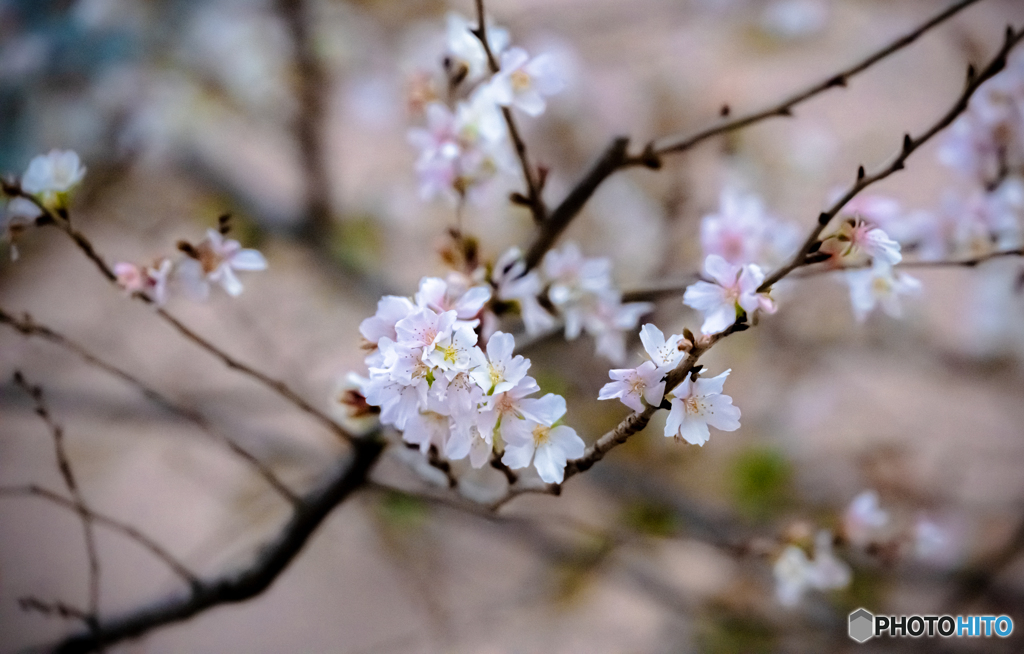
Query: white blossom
point(742, 231)
point(50, 177)
point(465, 50)
point(879, 284)
point(456, 294)
point(499, 371)
point(733, 290)
point(864, 518)
point(859, 236)
point(665, 353)
point(795, 573)
point(454, 351)
point(19, 215)
point(151, 280)
point(537, 440)
point(214, 261)
point(523, 82)
point(698, 404)
point(634, 386)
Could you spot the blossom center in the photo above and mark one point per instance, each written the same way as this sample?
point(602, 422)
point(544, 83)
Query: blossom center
point(520, 80)
point(541, 435)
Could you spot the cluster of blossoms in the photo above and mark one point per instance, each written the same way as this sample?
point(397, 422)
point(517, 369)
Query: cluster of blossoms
point(435, 381)
point(695, 404)
point(575, 288)
point(462, 147)
point(743, 232)
point(865, 527)
point(50, 180)
point(213, 260)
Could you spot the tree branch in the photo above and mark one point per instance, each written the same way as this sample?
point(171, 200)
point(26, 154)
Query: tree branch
point(910, 145)
point(106, 521)
point(533, 184)
point(28, 327)
point(68, 475)
point(615, 159)
point(62, 221)
point(248, 582)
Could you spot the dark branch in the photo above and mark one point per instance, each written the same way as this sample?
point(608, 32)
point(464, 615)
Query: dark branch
point(64, 224)
point(112, 524)
point(25, 325)
point(614, 160)
point(68, 475)
point(243, 584)
point(910, 145)
point(533, 183)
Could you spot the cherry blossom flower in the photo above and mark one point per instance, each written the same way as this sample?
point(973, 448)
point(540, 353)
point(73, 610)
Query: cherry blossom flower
point(634, 386)
point(51, 177)
point(734, 290)
point(19, 215)
point(426, 429)
point(859, 236)
point(879, 284)
point(795, 573)
point(664, 353)
point(698, 404)
point(503, 411)
point(425, 328)
point(215, 260)
point(466, 57)
point(151, 280)
point(743, 232)
point(549, 447)
point(390, 309)
point(515, 285)
point(454, 350)
point(864, 518)
point(499, 371)
point(523, 83)
point(455, 294)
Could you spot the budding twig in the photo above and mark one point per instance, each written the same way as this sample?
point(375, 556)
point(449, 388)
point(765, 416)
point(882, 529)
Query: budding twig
point(650, 157)
point(909, 146)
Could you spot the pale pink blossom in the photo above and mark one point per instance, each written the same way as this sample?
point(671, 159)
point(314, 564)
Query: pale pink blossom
point(665, 353)
point(734, 289)
point(876, 285)
point(214, 261)
point(536, 439)
point(698, 404)
point(523, 82)
point(864, 519)
point(634, 386)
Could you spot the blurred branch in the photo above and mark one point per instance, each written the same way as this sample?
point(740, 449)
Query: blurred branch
point(272, 558)
point(28, 327)
point(910, 145)
point(534, 179)
point(63, 222)
point(615, 157)
point(106, 521)
point(68, 475)
point(310, 122)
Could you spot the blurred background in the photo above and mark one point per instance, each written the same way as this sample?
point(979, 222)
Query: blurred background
point(293, 116)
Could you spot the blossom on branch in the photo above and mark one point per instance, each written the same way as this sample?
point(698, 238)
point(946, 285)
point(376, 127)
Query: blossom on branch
point(879, 284)
point(634, 386)
point(537, 439)
point(732, 293)
point(523, 82)
point(214, 261)
point(696, 405)
point(51, 177)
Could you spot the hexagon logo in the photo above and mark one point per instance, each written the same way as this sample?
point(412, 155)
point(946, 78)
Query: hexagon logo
point(862, 625)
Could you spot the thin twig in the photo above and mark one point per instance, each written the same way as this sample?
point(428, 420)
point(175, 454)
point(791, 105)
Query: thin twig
point(56, 609)
point(64, 224)
point(615, 157)
point(271, 560)
point(910, 145)
point(533, 184)
point(110, 523)
point(27, 326)
point(68, 475)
